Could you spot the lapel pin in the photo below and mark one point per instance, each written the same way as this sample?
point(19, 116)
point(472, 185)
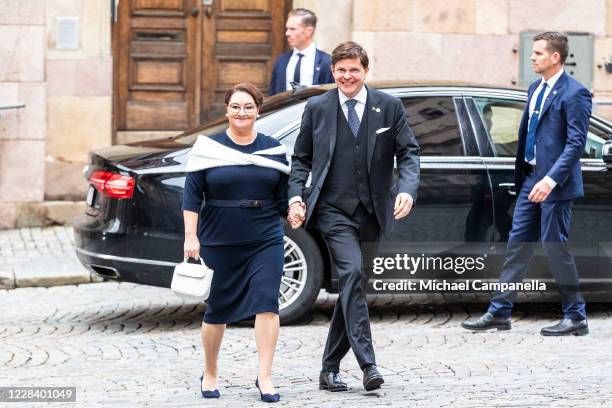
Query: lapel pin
point(554, 92)
point(375, 109)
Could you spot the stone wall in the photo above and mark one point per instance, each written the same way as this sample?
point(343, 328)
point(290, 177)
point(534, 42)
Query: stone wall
point(471, 41)
point(68, 97)
point(79, 95)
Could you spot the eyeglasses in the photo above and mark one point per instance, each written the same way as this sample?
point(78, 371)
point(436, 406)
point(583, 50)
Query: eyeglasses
point(248, 109)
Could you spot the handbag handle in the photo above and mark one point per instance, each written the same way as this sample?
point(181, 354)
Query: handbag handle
point(188, 258)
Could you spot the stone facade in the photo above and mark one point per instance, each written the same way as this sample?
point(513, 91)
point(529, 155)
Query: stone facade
point(68, 98)
point(473, 41)
point(68, 93)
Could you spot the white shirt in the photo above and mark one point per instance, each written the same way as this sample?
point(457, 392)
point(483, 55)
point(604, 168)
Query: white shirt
point(549, 86)
point(361, 99)
point(307, 66)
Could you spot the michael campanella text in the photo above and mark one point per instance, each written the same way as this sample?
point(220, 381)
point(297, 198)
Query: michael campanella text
point(456, 286)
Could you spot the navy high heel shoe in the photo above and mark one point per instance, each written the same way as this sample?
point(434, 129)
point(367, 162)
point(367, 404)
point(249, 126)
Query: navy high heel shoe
point(207, 393)
point(267, 397)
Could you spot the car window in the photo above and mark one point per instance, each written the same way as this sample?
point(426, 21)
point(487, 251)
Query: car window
point(289, 141)
point(273, 122)
point(596, 138)
point(502, 119)
point(268, 123)
point(434, 123)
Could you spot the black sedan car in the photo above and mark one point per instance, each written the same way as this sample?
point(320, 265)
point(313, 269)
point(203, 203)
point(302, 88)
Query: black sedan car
point(133, 227)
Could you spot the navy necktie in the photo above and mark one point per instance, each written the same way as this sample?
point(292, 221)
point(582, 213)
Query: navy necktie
point(533, 124)
point(353, 118)
point(298, 66)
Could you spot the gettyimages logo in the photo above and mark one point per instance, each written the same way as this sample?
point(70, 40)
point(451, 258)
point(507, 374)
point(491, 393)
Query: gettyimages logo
point(414, 264)
point(424, 273)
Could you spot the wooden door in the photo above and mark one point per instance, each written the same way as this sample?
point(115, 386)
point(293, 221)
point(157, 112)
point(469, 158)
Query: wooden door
point(156, 45)
point(241, 40)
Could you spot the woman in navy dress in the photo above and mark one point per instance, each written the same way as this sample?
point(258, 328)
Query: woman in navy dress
point(241, 177)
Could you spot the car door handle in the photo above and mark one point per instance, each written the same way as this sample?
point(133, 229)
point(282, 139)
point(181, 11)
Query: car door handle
point(509, 187)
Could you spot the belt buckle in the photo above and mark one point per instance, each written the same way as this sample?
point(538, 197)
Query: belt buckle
point(244, 203)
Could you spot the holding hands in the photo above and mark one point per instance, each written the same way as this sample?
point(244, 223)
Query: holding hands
point(297, 214)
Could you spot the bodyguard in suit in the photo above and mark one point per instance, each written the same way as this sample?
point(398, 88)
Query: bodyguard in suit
point(347, 142)
point(552, 136)
point(305, 64)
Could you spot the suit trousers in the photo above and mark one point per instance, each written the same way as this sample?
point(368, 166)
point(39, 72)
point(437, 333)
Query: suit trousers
point(352, 240)
point(548, 222)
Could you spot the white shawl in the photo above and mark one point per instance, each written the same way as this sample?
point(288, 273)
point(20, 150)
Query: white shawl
point(207, 153)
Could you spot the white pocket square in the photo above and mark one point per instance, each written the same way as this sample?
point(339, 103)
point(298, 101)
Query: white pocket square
point(379, 131)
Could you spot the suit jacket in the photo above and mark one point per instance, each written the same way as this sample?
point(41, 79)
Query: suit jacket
point(315, 144)
point(560, 137)
point(322, 71)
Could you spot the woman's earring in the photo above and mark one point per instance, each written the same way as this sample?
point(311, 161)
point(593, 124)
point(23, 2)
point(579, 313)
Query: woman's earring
point(226, 115)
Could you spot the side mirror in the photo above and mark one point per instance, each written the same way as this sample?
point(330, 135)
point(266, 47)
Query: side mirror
point(606, 153)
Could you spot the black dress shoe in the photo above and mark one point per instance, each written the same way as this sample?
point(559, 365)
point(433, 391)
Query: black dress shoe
point(566, 327)
point(487, 321)
point(208, 393)
point(271, 398)
point(372, 379)
point(331, 381)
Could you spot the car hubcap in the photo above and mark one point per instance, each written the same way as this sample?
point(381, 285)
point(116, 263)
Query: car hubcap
point(293, 280)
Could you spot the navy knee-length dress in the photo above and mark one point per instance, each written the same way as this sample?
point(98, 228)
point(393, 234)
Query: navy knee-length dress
point(243, 245)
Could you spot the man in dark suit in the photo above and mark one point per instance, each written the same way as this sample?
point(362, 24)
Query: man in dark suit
point(304, 64)
point(552, 136)
point(347, 142)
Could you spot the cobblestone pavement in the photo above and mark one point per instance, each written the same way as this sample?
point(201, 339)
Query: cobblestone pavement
point(19, 245)
point(40, 257)
point(136, 346)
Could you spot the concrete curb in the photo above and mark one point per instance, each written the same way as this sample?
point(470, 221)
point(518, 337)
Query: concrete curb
point(40, 257)
point(7, 278)
point(45, 273)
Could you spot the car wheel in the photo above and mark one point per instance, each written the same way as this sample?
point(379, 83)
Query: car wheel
point(302, 275)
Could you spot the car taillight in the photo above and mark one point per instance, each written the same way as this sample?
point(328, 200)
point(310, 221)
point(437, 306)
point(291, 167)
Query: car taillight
point(113, 185)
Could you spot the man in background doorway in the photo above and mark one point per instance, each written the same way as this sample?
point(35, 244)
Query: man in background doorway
point(304, 64)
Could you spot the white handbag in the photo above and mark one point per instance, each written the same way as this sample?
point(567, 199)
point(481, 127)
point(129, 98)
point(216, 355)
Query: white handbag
point(192, 280)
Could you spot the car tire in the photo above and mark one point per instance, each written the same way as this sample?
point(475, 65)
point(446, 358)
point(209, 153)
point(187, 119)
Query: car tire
point(302, 275)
